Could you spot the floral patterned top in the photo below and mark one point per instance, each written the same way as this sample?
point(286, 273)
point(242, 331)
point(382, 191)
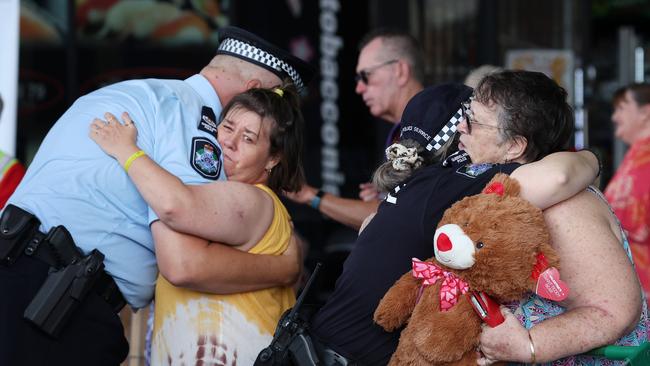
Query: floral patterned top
point(534, 309)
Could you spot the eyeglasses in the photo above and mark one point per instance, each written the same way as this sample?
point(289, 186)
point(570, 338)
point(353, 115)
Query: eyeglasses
point(469, 117)
point(364, 74)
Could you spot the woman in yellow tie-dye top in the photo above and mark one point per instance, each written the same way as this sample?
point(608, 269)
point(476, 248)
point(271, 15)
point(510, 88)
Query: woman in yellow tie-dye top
point(260, 137)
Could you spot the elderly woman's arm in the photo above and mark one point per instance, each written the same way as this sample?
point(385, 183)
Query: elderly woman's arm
point(605, 298)
point(556, 177)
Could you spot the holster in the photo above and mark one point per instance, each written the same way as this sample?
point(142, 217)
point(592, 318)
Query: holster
point(71, 277)
point(62, 292)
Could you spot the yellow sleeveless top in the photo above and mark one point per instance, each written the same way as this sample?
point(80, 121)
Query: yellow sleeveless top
point(190, 326)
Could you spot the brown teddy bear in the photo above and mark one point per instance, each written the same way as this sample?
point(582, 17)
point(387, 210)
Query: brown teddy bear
point(493, 243)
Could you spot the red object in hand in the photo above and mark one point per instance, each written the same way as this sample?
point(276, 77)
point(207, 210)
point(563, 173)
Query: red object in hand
point(487, 309)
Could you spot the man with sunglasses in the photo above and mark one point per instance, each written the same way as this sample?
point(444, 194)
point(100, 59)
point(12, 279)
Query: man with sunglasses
point(389, 72)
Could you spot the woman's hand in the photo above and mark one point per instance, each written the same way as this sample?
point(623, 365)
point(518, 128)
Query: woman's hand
point(115, 138)
point(506, 342)
point(368, 192)
point(303, 196)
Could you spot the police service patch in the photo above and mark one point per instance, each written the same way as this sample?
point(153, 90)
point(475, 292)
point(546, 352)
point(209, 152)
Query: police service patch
point(208, 121)
point(474, 170)
point(206, 158)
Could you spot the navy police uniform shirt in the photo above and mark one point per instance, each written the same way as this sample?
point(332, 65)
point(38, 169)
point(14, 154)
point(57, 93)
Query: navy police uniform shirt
point(72, 182)
point(403, 228)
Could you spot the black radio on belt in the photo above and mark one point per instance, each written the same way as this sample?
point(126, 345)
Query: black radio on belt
point(17, 228)
point(63, 291)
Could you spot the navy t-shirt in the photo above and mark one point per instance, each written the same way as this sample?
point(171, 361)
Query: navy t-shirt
point(403, 228)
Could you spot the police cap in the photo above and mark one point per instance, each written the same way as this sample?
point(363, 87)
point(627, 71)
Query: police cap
point(431, 117)
point(248, 46)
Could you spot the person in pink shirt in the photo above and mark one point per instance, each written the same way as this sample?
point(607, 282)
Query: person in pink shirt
point(629, 190)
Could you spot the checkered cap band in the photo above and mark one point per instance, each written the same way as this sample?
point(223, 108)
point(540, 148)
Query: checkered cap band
point(446, 132)
point(249, 51)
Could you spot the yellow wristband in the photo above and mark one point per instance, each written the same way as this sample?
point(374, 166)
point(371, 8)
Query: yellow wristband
point(132, 158)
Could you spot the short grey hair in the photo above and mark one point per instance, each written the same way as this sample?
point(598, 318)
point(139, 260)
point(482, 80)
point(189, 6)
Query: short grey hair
point(399, 44)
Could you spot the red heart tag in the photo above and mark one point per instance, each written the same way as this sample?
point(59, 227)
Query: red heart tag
point(550, 286)
point(495, 188)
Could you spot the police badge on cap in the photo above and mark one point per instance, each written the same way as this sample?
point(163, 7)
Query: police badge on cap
point(247, 46)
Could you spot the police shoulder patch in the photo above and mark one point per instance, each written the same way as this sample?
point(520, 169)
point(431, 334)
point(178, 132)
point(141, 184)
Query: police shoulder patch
point(205, 158)
point(474, 170)
point(208, 122)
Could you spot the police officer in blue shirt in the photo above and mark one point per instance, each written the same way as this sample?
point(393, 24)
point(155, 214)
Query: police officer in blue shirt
point(74, 194)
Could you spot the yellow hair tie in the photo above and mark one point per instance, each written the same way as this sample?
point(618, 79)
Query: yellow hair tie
point(132, 158)
point(278, 91)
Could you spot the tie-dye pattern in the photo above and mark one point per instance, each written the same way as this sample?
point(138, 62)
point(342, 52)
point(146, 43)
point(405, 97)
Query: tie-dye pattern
point(193, 328)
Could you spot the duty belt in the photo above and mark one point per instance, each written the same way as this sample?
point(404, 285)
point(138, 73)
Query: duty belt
point(56, 249)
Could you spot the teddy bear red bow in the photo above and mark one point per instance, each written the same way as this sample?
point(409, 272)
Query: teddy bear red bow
point(493, 243)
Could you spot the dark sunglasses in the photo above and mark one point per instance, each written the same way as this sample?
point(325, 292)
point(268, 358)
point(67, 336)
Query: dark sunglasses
point(363, 75)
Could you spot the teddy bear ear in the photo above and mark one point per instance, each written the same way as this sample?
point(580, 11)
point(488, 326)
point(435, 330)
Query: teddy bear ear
point(502, 185)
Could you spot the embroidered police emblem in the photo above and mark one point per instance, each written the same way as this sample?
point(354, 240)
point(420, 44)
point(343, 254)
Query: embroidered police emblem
point(206, 158)
point(456, 159)
point(208, 121)
point(474, 170)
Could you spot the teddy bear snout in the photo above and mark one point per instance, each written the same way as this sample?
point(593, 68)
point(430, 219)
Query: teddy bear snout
point(453, 248)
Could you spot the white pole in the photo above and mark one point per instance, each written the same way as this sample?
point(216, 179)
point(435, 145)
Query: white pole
point(9, 36)
point(639, 66)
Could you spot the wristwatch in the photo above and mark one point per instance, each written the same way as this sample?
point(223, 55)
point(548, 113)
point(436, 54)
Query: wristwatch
point(315, 202)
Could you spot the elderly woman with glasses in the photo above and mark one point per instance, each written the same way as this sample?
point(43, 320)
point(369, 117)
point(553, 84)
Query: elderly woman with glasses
point(515, 117)
point(423, 180)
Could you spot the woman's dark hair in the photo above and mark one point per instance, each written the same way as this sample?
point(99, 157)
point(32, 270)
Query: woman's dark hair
point(530, 105)
point(640, 93)
point(282, 106)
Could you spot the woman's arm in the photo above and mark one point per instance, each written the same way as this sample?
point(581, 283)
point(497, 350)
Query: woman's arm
point(349, 212)
point(194, 263)
point(605, 297)
point(215, 211)
point(556, 177)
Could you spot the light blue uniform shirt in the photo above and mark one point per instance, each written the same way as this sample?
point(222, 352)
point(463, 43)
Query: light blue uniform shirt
point(72, 182)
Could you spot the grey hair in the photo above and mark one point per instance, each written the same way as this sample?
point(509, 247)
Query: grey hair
point(386, 177)
point(397, 43)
